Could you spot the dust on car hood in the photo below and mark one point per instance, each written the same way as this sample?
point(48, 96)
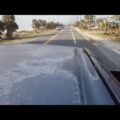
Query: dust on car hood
point(42, 74)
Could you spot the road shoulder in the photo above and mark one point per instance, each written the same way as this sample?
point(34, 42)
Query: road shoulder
point(29, 39)
point(110, 48)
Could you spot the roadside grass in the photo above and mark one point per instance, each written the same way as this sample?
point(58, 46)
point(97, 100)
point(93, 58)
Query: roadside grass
point(22, 36)
point(98, 33)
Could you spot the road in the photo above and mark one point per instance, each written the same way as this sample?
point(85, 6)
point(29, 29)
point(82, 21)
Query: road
point(111, 49)
point(71, 38)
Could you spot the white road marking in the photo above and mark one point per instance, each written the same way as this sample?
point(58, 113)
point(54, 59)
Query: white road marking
point(116, 51)
point(83, 36)
point(73, 37)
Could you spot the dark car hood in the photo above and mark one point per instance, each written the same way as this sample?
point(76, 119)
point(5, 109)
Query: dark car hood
point(37, 74)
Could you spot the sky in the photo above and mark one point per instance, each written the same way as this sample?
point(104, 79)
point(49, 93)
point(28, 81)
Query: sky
point(25, 21)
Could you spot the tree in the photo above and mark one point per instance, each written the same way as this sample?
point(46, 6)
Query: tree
point(89, 20)
point(51, 25)
point(42, 24)
point(2, 28)
point(77, 23)
point(82, 23)
point(107, 26)
point(39, 25)
point(100, 24)
point(10, 25)
point(104, 25)
point(35, 25)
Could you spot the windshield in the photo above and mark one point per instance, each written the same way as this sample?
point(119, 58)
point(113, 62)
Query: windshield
point(69, 59)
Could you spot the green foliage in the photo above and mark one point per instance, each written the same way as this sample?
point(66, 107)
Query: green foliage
point(39, 25)
point(77, 24)
point(51, 25)
point(10, 25)
point(88, 19)
point(101, 24)
point(2, 28)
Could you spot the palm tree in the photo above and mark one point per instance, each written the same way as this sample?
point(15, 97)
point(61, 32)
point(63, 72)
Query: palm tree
point(10, 25)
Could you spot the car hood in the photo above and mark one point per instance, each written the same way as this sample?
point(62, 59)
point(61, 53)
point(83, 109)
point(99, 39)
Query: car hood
point(42, 74)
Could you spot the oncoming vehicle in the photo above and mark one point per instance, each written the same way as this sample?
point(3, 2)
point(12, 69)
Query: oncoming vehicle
point(59, 28)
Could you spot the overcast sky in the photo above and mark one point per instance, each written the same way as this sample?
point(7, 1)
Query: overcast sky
point(25, 21)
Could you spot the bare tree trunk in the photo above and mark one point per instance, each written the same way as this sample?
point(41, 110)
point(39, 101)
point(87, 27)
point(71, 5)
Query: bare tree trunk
point(89, 27)
point(9, 34)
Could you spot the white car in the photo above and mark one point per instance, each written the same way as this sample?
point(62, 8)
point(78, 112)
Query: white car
point(58, 28)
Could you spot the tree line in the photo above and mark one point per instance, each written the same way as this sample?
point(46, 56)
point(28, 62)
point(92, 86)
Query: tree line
point(8, 23)
point(89, 21)
point(8, 26)
point(41, 25)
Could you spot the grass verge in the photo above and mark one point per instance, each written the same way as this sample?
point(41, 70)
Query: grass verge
point(22, 36)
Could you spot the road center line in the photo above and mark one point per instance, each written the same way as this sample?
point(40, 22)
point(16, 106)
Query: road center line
point(52, 38)
point(73, 37)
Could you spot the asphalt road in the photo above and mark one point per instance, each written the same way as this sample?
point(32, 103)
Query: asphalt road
point(71, 38)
